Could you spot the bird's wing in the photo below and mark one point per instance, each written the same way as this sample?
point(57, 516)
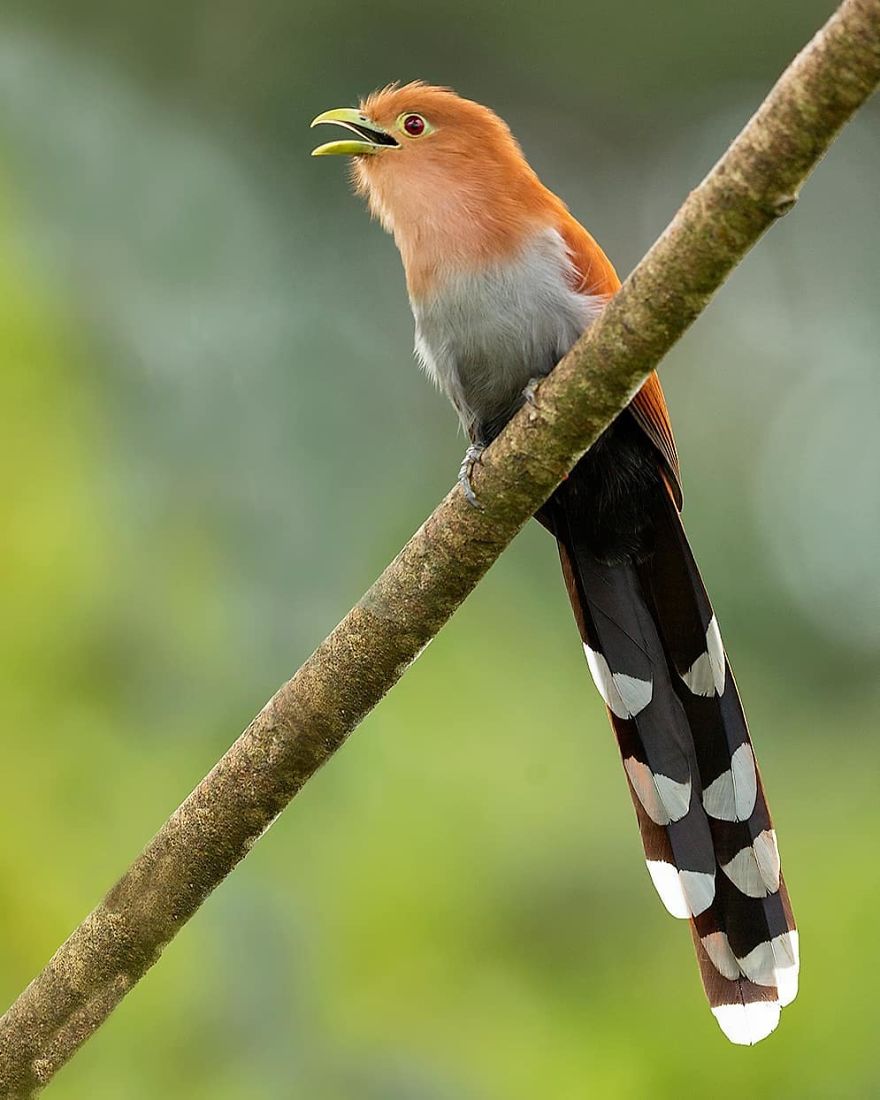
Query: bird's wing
point(649, 408)
point(596, 275)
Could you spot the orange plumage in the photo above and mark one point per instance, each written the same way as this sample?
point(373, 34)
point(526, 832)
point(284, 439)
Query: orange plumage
point(438, 227)
point(502, 280)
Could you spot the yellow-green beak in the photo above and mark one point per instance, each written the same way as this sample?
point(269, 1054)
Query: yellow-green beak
point(374, 138)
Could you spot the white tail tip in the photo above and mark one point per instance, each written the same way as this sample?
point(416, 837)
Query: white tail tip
point(747, 1024)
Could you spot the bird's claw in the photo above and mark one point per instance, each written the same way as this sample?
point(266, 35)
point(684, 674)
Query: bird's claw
point(531, 389)
point(471, 457)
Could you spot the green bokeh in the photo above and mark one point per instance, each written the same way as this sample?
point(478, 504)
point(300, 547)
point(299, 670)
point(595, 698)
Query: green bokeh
point(212, 436)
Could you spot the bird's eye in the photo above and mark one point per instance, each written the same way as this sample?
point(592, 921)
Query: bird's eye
point(414, 125)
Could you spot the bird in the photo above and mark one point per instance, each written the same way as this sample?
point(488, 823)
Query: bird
point(502, 280)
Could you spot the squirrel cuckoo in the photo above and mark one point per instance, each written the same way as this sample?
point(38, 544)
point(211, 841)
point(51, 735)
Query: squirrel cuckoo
point(502, 280)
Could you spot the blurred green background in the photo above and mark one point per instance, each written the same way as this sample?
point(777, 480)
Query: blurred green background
point(212, 436)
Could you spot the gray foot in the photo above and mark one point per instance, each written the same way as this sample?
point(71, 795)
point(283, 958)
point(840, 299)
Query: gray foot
point(531, 388)
point(471, 458)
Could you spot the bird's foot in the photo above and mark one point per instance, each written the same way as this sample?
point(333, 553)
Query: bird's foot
point(471, 457)
point(531, 389)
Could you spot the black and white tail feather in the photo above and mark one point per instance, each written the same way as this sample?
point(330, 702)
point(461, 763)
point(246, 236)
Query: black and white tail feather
point(655, 653)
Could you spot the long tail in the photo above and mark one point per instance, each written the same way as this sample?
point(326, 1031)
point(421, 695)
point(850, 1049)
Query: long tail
point(654, 650)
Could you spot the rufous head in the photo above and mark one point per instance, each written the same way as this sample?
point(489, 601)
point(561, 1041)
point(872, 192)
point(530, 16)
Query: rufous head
point(442, 173)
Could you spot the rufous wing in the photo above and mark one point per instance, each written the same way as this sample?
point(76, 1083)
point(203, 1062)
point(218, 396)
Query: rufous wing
point(596, 275)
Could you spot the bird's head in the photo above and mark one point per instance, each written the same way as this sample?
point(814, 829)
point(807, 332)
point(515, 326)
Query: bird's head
point(442, 173)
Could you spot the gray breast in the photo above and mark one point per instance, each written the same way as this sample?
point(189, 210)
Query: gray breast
point(485, 335)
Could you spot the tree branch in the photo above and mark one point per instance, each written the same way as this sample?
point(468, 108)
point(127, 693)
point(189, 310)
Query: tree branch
point(309, 718)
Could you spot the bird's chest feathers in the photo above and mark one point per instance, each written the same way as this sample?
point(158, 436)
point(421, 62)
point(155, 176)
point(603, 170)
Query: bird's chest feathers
point(482, 335)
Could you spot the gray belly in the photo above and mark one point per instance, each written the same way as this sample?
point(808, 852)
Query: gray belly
point(484, 335)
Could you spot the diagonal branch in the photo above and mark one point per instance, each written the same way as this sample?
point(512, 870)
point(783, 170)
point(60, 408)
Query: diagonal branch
point(755, 182)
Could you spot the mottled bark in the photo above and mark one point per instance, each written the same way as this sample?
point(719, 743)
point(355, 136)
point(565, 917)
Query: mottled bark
point(309, 718)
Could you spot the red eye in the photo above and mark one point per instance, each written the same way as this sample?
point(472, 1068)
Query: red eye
point(414, 125)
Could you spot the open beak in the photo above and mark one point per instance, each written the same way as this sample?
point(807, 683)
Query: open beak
point(373, 138)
